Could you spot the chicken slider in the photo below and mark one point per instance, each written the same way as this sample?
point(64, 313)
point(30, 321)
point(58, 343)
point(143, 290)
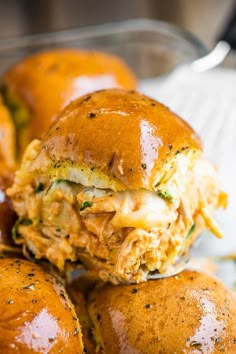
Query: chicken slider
point(189, 313)
point(35, 90)
point(119, 183)
point(36, 313)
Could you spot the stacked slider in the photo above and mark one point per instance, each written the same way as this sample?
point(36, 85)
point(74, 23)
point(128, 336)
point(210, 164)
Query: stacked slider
point(119, 184)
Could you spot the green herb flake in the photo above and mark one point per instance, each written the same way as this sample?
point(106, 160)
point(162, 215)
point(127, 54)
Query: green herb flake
point(14, 232)
point(191, 230)
point(19, 113)
point(57, 181)
point(25, 222)
point(85, 204)
point(39, 188)
point(165, 195)
point(144, 166)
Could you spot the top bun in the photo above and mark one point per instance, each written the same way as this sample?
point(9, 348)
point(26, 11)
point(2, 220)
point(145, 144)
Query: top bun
point(123, 134)
point(189, 313)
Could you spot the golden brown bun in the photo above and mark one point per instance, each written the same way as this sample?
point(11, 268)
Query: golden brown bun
point(7, 214)
point(189, 313)
point(46, 82)
point(36, 314)
point(124, 134)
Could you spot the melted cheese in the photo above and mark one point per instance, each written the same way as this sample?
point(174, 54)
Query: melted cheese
point(122, 235)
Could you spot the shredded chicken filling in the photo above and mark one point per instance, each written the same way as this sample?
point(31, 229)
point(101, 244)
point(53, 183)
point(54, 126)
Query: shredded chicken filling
point(123, 235)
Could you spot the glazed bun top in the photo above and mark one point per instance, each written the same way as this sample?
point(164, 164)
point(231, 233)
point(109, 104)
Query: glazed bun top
point(188, 313)
point(123, 134)
point(46, 82)
point(36, 313)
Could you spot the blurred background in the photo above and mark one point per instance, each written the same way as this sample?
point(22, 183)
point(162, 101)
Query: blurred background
point(205, 18)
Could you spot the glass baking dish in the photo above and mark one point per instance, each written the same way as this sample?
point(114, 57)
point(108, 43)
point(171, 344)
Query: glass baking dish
point(150, 47)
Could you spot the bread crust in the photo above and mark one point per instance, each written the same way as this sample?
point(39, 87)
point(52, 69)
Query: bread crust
point(124, 134)
point(191, 312)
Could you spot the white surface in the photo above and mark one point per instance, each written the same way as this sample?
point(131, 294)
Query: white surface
point(207, 101)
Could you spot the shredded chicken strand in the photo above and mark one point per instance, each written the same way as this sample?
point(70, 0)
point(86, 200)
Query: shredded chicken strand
point(122, 235)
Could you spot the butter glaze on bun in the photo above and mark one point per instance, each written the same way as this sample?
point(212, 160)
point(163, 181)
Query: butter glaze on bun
point(38, 87)
point(125, 135)
point(189, 313)
point(36, 313)
point(117, 182)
